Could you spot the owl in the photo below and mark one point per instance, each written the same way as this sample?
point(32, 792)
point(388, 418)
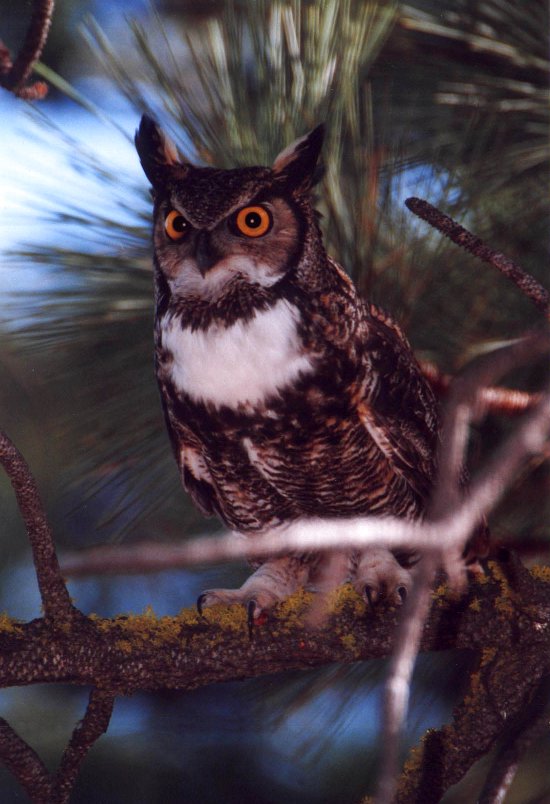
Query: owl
point(285, 395)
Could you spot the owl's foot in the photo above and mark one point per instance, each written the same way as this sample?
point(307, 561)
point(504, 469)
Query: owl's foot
point(379, 576)
point(328, 573)
point(272, 582)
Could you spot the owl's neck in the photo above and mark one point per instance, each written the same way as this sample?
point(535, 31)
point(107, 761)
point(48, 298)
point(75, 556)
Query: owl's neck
point(240, 300)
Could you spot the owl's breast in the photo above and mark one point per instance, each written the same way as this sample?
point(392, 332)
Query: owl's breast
point(245, 363)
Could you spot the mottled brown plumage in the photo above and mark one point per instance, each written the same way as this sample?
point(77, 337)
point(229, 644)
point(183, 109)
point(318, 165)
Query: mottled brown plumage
point(285, 395)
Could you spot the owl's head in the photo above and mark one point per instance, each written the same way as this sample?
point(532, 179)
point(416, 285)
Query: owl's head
point(215, 227)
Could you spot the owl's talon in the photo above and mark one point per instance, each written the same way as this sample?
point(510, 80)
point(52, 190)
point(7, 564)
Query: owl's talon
point(200, 601)
point(379, 576)
point(371, 596)
point(251, 607)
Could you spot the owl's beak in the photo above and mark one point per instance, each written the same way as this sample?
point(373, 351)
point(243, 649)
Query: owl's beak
point(206, 255)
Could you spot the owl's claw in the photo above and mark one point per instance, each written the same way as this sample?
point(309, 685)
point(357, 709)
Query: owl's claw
point(371, 596)
point(200, 602)
point(212, 597)
point(379, 576)
point(374, 595)
point(251, 607)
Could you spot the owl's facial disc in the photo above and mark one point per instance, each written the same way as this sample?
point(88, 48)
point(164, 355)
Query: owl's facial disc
point(253, 244)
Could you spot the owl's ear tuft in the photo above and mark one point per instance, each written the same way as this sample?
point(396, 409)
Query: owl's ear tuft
point(296, 164)
point(157, 153)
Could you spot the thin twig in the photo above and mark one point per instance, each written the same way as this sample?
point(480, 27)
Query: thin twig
point(466, 402)
point(397, 688)
point(528, 285)
point(462, 407)
point(94, 723)
point(15, 76)
point(55, 597)
point(505, 401)
point(25, 764)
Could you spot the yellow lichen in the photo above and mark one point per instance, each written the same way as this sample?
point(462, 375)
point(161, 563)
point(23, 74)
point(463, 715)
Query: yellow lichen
point(349, 641)
point(148, 629)
point(413, 763)
point(507, 602)
point(470, 699)
point(541, 573)
point(481, 578)
point(504, 606)
point(231, 618)
point(123, 645)
point(345, 598)
point(414, 760)
point(8, 625)
point(498, 575)
point(188, 617)
point(293, 607)
point(440, 591)
point(475, 604)
point(444, 597)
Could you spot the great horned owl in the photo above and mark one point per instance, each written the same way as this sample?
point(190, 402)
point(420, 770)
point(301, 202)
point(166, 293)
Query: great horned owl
point(285, 395)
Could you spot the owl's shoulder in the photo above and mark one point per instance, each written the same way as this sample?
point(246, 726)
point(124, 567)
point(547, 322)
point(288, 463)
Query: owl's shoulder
point(390, 395)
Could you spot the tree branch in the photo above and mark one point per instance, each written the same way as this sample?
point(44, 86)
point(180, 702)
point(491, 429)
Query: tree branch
point(14, 76)
point(55, 598)
point(93, 725)
point(25, 764)
point(528, 285)
point(142, 652)
point(505, 616)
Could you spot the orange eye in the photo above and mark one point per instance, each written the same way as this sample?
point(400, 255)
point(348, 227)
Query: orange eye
point(253, 221)
point(175, 225)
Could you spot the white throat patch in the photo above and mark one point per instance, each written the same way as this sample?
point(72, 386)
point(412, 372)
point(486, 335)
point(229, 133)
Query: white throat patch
point(243, 363)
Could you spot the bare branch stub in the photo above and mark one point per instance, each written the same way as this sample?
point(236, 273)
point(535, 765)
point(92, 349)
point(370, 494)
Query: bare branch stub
point(30, 771)
point(25, 764)
point(529, 286)
point(94, 723)
point(505, 401)
point(55, 597)
point(14, 75)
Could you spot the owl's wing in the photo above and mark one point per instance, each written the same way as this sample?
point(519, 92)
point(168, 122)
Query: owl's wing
point(393, 400)
point(194, 472)
point(398, 409)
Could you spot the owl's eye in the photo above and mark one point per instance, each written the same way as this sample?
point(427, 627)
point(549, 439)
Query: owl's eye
point(175, 225)
point(253, 221)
